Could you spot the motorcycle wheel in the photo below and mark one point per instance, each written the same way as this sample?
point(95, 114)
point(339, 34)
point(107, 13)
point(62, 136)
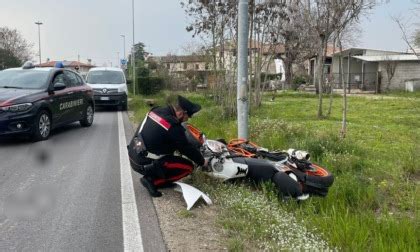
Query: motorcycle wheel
point(318, 177)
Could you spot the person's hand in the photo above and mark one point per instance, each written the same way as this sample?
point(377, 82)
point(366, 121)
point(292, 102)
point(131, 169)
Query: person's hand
point(206, 162)
point(205, 166)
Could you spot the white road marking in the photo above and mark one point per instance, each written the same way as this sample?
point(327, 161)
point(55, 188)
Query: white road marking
point(130, 219)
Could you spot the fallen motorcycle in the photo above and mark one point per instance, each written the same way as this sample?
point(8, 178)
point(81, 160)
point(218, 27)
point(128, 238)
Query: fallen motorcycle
point(292, 173)
point(315, 180)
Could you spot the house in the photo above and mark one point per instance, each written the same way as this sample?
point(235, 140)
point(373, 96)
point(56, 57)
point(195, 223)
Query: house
point(191, 70)
point(77, 66)
point(311, 62)
point(271, 59)
point(225, 58)
point(378, 70)
point(182, 63)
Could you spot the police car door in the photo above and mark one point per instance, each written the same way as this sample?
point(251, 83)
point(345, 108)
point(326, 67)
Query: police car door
point(76, 103)
point(59, 99)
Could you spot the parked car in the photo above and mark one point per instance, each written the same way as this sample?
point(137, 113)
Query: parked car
point(109, 86)
point(35, 100)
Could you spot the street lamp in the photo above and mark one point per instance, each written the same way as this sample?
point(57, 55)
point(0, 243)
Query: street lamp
point(133, 56)
point(123, 36)
point(39, 39)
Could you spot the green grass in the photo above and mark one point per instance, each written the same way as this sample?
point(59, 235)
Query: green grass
point(184, 213)
point(373, 203)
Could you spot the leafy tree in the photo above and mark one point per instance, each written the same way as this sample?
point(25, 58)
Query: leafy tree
point(139, 54)
point(8, 60)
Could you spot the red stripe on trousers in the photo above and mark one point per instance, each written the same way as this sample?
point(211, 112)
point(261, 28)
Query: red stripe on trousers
point(177, 165)
point(187, 170)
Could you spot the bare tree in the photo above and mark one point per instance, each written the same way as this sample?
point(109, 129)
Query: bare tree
point(326, 17)
point(346, 38)
point(411, 38)
point(12, 41)
point(215, 21)
point(390, 66)
point(262, 47)
point(343, 130)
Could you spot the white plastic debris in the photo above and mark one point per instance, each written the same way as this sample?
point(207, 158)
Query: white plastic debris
point(191, 194)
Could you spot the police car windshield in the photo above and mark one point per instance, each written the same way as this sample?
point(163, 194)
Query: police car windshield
point(23, 79)
point(105, 77)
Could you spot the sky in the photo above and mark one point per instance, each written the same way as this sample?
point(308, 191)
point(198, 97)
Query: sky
point(92, 29)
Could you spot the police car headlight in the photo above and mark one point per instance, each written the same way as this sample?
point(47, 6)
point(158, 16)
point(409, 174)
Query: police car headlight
point(17, 108)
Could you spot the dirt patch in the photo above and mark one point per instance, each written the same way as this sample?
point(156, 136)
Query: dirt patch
point(194, 230)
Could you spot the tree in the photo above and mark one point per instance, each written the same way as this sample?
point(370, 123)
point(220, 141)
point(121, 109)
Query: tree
point(14, 44)
point(343, 130)
point(296, 36)
point(216, 21)
point(327, 17)
point(139, 54)
point(410, 36)
point(8, 60)
point(390, 67)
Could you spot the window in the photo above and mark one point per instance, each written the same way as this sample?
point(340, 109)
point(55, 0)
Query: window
point(26, 79)
point(80, 80)
point(197, 67)
point(72, 78)
point(185, 65)
point(59, 78)
point(168, 66)
point(105, 77)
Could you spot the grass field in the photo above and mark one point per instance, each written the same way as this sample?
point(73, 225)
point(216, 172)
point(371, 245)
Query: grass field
point(373, 203)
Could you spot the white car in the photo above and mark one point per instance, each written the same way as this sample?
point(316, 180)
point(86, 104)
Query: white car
point(109, 86)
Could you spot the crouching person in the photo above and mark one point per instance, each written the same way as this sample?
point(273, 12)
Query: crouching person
point(151, 151)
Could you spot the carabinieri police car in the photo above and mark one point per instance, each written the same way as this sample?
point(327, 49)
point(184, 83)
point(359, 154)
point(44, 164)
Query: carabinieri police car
point(33, 100)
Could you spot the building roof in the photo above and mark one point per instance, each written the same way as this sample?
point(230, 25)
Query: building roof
point(179, 58)
point(117, 69)
point(396, 57)
point(361, 51)
point(65, 63)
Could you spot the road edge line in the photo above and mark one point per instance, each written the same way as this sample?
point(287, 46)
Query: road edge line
point(130, 219)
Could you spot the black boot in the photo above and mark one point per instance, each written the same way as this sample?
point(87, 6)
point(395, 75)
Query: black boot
point(147, 182)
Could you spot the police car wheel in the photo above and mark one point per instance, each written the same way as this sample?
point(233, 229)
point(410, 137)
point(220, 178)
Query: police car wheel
point(42, 127)
point(87, 119)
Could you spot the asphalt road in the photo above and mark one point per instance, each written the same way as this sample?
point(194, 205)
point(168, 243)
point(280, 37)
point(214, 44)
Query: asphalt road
point(66, 193)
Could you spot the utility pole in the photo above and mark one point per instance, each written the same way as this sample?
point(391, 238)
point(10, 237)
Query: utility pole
point(242, 94)
point(133, 58)
point(39, 39)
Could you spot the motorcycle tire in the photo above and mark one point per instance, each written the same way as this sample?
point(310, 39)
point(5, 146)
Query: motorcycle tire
point(318, 177)
point(286, 185)
point(314, 190)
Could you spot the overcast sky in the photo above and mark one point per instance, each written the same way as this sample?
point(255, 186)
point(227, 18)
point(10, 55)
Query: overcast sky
point(92, 28)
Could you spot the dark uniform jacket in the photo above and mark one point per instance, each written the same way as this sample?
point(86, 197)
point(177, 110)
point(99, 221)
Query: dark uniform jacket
point(163, 134)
